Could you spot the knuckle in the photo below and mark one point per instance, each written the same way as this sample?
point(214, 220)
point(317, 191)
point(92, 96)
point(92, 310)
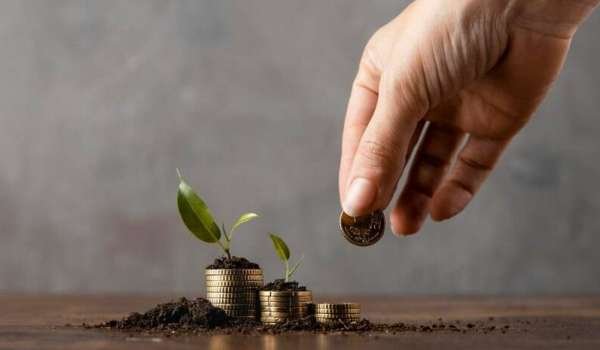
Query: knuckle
point(463, 186)
point(475, 164)
point(370, 60)
point(405, 92)
point(376, 154)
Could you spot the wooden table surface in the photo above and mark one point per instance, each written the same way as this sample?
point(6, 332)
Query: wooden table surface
point(38, 322)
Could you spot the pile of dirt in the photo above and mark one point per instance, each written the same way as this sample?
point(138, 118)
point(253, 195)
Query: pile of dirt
point(198, 316)
point(232, 263)
point(280, 285)
point(181, 314)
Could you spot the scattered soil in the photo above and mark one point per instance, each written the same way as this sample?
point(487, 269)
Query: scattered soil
point(234, 262)
point(188, 317)
point(281, 285)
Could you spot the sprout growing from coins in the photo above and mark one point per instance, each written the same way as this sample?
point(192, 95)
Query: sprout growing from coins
point(283, 252)
point(199, 220)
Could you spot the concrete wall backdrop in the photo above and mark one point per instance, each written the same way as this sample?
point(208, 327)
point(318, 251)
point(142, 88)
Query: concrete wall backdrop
point(100, 101)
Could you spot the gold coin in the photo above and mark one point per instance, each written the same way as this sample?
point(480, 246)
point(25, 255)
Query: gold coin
point(258, 283)
point(283, 308)
point(238, 293)
point(282, 313)
point(234, 276)
point(244, 297)
point(251, 279)
point(286, 301)
point(269, 319)
point(285, 293)
point(236, 289)
point(232, 301)
point(233, 272)
point(214, 296)
point(337, 315)
point(363, 230)
point(233, 284)
point(342, 314)
point(333, 319)
point(285, 305)
point(337, 306)
point(284, 297)
point(335, 311)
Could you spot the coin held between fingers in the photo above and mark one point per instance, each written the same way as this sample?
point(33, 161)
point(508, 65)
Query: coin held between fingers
point(364, 230)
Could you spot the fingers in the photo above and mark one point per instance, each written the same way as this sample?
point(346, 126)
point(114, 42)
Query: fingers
point(431, 163)
point(361, 106)
point(381, 153)
point(473, 165)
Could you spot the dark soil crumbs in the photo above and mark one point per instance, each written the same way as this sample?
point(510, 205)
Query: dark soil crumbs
point(232, 263)
point(281, 285)
point(185, 317)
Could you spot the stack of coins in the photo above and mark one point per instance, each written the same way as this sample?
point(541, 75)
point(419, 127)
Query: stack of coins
point(281, 306)
point(331, 314)
point(234, 290)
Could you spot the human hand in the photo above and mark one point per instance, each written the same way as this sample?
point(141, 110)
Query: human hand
point(452, 70)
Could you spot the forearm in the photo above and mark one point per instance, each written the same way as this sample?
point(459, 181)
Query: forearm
point(559, 18)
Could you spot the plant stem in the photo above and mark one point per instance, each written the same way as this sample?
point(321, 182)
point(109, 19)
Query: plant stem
point(225, 249)
point(287, 271)
point(227, 246)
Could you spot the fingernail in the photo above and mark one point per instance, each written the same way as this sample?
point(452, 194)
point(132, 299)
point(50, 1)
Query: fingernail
point(360, 197)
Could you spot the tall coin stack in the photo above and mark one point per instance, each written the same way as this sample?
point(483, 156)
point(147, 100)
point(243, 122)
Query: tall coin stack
point(331, 314)
point(234, 290)
point(281, 306)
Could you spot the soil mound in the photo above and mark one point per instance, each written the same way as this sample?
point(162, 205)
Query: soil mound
point(232, 263)
point(280, 285)
point(184, 313)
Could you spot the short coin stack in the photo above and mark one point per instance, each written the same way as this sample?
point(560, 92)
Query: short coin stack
point(281, 306)
point(234, 290)
point(331, 314)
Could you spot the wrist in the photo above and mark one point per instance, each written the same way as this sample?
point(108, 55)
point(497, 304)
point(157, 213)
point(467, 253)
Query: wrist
point(559, 18)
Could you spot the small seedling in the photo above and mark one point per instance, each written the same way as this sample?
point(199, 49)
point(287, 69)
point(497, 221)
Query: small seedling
point(283, 252)
point(198, 218)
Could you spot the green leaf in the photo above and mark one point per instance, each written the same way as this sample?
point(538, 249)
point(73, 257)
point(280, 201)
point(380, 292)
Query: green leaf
point(281, 248)
point(244, 218)
point(195, 214)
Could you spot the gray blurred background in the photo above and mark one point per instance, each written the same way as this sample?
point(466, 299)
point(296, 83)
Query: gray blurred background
point(100, 101)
